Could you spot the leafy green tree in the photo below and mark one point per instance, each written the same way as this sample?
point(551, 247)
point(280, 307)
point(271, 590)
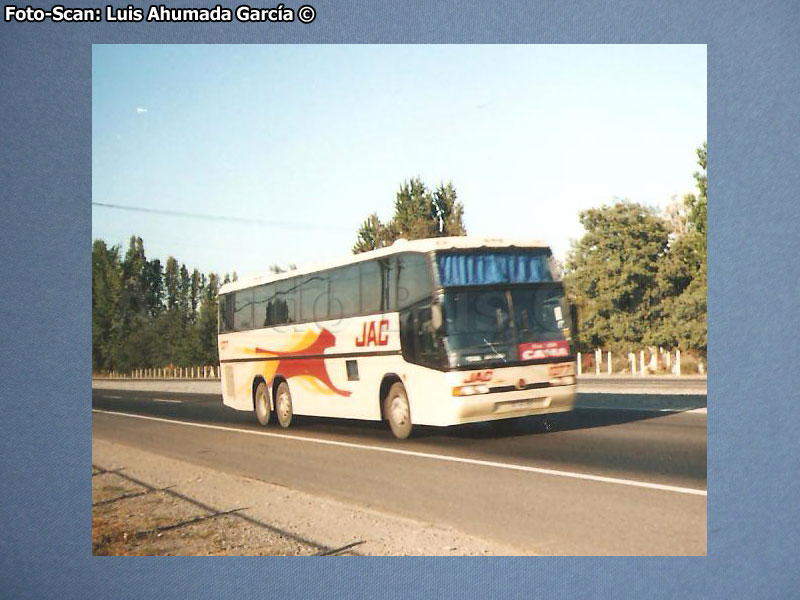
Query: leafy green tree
point(640, 279)
point(154, 287)
point(685, 325)
point(698, 215)
point(414, 214)
point(145, 316)
point(172, 283)
point(133, 285)
point(184, 289)
point(418, 213)
point(612, 274)
point(195, 293)
point(448, 212)
point(682, 281)
point(371, 235)
point(207, 322)
point(131, 313)
point(106, 292)
point(172, 324)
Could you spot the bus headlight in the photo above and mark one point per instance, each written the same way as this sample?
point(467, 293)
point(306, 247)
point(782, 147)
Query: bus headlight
point(470, 390)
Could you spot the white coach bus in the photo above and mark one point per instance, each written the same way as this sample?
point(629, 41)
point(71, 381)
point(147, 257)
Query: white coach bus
point(432, 332)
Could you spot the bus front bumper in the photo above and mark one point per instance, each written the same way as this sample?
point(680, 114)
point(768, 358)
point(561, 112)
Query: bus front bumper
point(506, 405)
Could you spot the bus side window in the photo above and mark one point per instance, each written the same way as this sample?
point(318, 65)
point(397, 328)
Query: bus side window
point(226, 313)
point(427, 349)
point(281, 305)
point(243, 310)
point(418, 337)
point(371, 287)
point(260, 297)
point(426, 345)
point(413, 280)
point(344, 292)
point(407, 337)
point(313, 299)
point(387, 270)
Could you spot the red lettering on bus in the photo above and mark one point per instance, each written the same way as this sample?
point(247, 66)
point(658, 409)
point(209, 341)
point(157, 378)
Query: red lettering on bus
point(374, 334)
point(478, 376)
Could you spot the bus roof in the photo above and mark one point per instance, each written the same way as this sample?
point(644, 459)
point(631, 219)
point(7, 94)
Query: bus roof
point(401, 245)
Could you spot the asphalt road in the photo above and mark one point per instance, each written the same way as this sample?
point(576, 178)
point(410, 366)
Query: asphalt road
point(593, 481)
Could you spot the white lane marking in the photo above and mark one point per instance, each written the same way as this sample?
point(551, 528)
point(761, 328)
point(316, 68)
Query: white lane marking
point(443, 457)
point(663, 410)
point(642, 391)
point(154, 399)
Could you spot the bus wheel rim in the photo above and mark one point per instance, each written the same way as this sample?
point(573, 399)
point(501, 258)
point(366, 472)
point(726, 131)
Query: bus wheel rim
point(261, 405)
point(283, 406)
point(399, 412)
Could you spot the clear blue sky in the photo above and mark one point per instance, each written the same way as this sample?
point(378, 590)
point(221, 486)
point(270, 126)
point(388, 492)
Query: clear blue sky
point(314, 138)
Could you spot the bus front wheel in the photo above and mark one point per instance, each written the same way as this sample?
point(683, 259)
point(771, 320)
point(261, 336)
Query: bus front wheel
point(283, 404)
point(397, 411)
point(261, 404)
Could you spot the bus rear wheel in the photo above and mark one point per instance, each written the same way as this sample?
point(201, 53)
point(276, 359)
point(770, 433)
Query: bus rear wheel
point(261, 404)
point(283, 404)
point(397, 411)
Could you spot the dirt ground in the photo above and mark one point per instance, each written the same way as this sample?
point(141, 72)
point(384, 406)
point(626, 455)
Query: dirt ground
point(207, 512)
point(158, 523)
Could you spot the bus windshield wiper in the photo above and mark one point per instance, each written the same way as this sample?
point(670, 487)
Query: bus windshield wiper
point(497, 354)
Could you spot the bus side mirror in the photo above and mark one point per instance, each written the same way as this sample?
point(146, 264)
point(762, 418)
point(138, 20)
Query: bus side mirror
point(436, 316)
point(573, 317)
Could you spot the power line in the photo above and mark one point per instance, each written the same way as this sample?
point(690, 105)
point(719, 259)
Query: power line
point(225, 218)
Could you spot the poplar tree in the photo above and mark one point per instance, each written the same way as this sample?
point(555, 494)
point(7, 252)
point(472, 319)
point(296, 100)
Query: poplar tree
point(145, 316)
point(154, 287)
point(195, 294)
point(184, 288)
point(207, 322)
point(106, 291)
point(172, 283)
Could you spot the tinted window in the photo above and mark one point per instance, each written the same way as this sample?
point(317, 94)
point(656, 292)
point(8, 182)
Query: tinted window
point(260, 297)
point(492, 267)
point(477, 317)
point(372, 287)
point(477, 327)
point(344, 292)
point(226, 313)
point(386, 265)
point(313, 292)
point(243, 311)
point(413, 281)
point(540, 313)
point(428, 349)
point(281, 305)
point(390, 266)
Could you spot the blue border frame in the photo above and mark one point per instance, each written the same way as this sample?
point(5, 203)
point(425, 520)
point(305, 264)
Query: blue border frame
point(45, 187)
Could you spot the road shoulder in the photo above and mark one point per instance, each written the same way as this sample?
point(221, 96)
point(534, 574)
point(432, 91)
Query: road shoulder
point(326, 522)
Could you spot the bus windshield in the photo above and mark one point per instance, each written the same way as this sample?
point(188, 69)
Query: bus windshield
point(499, 325)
